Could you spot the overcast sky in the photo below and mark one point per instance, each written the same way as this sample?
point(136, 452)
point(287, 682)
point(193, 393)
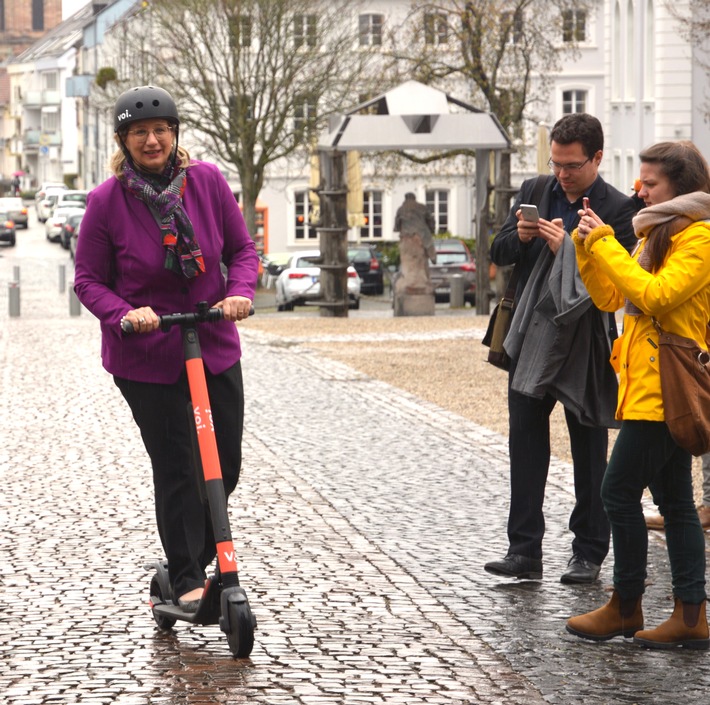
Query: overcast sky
point(69, 7)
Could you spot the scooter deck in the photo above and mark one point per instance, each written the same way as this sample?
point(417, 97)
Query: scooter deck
point(208, 611)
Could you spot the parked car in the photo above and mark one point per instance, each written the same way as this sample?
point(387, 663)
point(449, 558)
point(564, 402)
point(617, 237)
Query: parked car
point(272, 265)
point(42, 191)
point(299, 282)
point(70, 224)
point(366, 262)
point(53, 225)
point(453, 257)
point(73, 240)
point(16, 208)
point(45, 205)
point(7, 229)
point(72, 197)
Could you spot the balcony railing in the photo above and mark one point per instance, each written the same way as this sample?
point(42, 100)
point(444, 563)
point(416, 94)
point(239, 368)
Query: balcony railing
point(38, 99)
point(34, 139)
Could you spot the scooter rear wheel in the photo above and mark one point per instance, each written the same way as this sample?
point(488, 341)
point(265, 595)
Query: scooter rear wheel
point(164, 623)
point(241, 638)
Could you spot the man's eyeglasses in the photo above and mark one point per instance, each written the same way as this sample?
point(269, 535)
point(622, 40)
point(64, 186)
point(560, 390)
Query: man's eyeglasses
point(576, 166)
point(161, 133)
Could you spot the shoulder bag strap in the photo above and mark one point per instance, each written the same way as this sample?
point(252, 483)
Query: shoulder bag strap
point(535, 197)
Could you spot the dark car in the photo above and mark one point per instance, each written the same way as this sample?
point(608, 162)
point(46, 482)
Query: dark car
point(367, 264)
point(68, 228)
point(7, 229)
point(453, 257)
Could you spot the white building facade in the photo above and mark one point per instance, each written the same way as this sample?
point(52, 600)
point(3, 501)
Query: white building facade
point(635, 70)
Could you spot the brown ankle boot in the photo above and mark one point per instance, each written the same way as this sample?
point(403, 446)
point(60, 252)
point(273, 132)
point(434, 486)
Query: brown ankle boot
point(687, 626)
point(617, 618)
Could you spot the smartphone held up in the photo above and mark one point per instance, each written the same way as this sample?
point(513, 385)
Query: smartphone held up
point(529, 212)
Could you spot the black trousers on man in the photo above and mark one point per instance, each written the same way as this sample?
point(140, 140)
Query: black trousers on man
point(166, 426)
point(529, 447)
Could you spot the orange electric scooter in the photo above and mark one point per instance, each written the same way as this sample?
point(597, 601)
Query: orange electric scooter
point(224, 602)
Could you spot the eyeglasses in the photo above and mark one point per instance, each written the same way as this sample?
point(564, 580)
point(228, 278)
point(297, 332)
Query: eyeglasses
point(576, 166)
point(161, 133)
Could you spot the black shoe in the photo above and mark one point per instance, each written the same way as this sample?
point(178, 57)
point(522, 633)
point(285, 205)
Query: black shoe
point(580, 570)
point(515, 566)
point(188, 605)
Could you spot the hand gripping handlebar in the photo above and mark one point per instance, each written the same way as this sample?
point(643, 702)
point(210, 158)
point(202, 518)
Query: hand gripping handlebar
point(168, 320)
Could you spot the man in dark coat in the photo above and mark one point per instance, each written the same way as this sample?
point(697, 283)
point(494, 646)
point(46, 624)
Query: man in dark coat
point(576, 147)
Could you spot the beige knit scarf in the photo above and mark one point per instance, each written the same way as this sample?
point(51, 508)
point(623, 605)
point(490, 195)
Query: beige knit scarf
point(680, 211)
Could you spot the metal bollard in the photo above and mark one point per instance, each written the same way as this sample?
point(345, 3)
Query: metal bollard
point(456, 291)
point(74, 303)
point(16, 273)
point(13, 299)
point(62, 278)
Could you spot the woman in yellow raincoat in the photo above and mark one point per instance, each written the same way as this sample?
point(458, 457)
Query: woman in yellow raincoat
point(666, 277)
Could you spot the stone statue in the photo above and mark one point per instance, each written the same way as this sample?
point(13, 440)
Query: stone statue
point(413, 291)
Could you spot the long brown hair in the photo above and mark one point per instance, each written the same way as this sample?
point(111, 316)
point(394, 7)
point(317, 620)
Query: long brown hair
point(687, 171)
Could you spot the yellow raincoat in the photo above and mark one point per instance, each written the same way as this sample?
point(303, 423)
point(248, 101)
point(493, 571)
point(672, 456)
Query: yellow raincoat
point(678, 295)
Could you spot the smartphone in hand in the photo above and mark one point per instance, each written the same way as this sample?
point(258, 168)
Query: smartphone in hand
point(529, 212)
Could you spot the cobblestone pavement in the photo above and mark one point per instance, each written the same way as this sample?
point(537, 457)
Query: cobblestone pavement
point(362, 521)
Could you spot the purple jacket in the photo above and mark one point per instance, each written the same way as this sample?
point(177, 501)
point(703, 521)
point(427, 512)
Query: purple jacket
point(120, 266)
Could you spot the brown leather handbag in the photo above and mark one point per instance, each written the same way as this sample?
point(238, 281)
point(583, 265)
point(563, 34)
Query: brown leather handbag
point(685, 389)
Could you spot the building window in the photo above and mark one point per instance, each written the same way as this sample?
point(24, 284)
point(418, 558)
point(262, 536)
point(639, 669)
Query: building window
point(304, 31)
point(574, 102)
point(2, 15)
point(437, 203)
point(436, 28)
point(50, 81)
point(37, 15)
point(372, 210)
point(371, 30)
point(574, 25)
point(304, 112)
point(241, 31)
point(303, 229)
point(512, 24)
point(50, 121)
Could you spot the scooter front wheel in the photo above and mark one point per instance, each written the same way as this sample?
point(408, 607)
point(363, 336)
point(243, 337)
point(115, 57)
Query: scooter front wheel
point(156, 593)
point(241, 636)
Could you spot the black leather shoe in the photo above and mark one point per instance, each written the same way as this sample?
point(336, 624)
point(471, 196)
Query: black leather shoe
point(580, 570)
point(515, 566)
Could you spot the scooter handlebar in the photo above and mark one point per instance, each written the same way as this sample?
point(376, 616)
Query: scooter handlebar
point(168, 320)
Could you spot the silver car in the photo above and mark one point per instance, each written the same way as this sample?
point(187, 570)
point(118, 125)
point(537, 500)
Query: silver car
point(16, 208)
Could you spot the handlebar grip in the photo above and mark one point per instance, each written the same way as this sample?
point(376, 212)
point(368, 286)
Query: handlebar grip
point(170, 319)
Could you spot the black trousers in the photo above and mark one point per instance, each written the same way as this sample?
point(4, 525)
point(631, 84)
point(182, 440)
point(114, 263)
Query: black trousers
point(529, 447)
point(166, 425)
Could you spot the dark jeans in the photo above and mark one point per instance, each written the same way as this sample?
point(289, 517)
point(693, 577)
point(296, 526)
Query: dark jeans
point(645, 455)
point(529, 446)
point(165, 422)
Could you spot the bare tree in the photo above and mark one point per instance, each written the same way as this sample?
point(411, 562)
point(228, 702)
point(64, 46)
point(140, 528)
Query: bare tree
point(255, 79)
point(504, 50)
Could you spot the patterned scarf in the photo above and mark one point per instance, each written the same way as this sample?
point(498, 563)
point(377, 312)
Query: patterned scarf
point(681, 212)
point(183, 253)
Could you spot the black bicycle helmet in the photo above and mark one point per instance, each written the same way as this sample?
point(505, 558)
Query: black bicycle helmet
point(143, 103)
